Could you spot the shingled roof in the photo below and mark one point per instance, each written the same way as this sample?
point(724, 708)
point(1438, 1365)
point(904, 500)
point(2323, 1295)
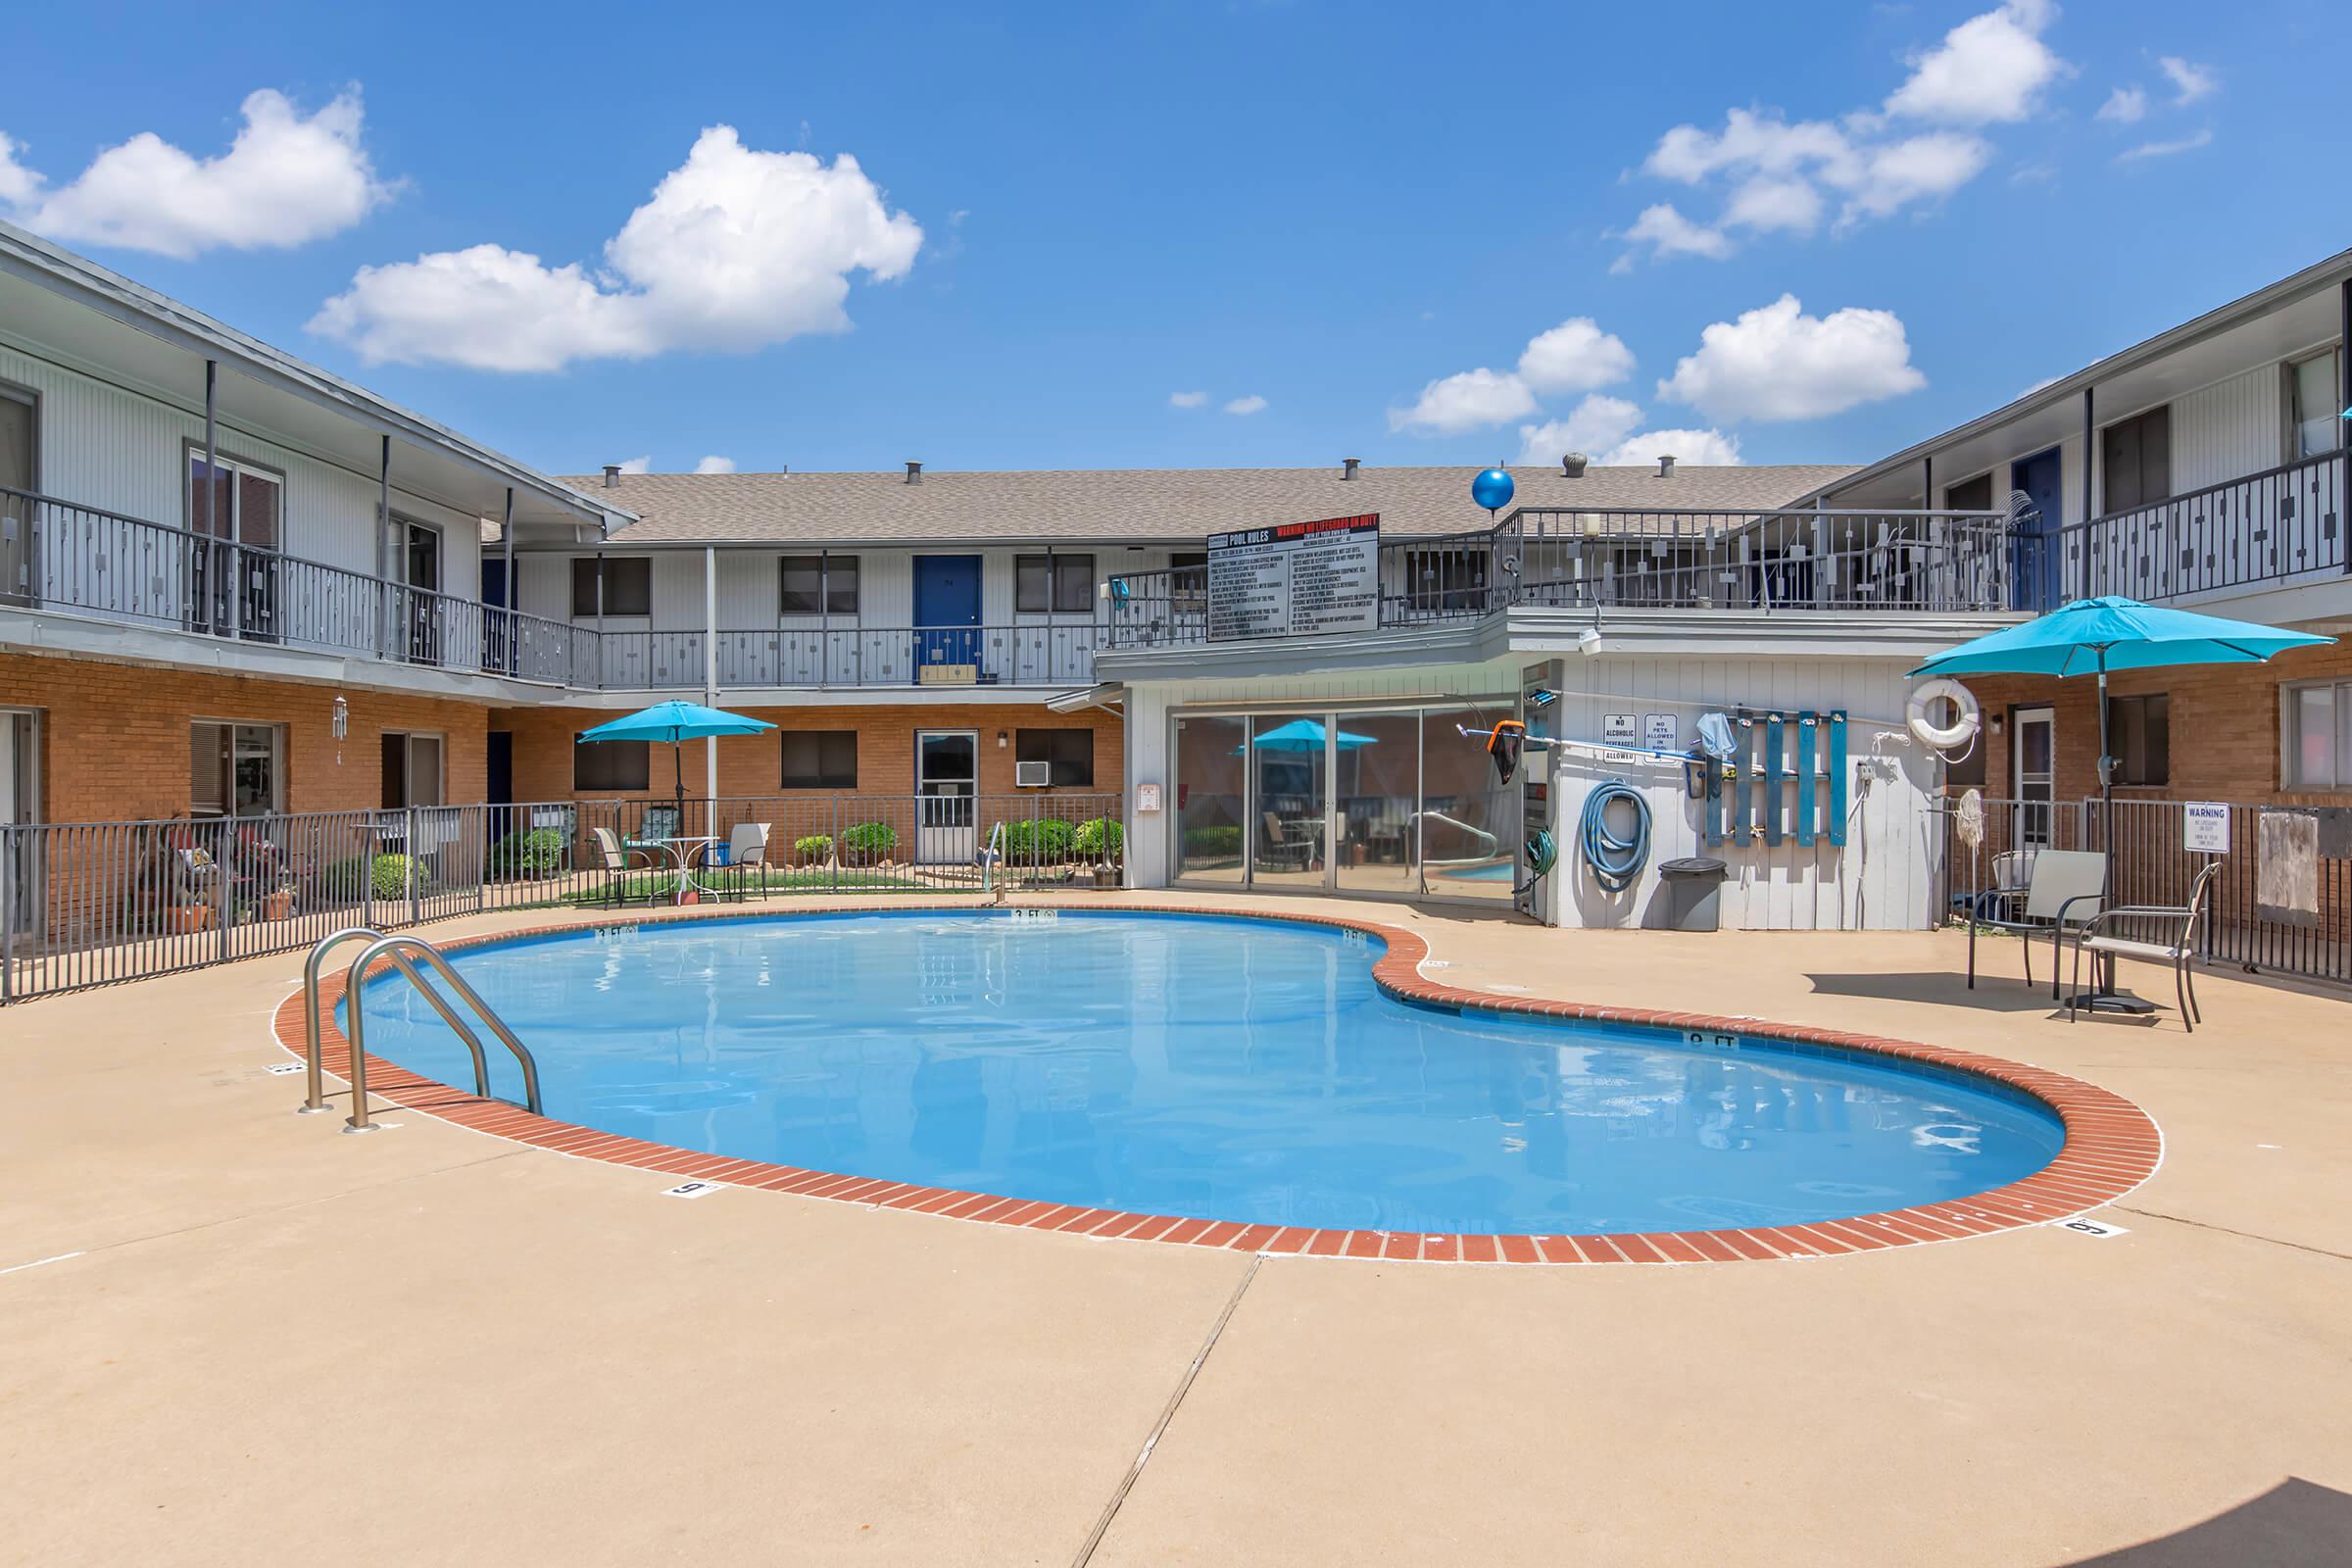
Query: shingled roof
point(1125, 504)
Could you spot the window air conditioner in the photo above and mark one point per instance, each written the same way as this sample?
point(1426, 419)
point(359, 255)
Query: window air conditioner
point(1032, 775)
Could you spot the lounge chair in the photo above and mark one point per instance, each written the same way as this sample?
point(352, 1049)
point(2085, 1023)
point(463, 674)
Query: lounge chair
point(2063, 894)
point(617, 866)
point(2175, 943)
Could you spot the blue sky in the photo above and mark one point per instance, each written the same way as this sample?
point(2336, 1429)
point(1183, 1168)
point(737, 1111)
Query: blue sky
point(1060, 217)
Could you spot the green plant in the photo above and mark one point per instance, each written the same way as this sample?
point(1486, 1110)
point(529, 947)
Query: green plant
point(1209, 842)
point(1100, 840)
point(388, 876)
point(1038, 839)
point(538, 852)
point(815, 849)
point(864, 843)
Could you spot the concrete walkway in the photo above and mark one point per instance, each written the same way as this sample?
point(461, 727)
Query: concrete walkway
point(261, 1342)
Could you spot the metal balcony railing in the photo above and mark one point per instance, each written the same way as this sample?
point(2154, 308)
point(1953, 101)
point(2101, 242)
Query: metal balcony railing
point(1042, 655)
point(2265, 527)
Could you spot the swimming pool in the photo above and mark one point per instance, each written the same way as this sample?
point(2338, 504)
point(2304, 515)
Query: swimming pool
point(1204, 1066)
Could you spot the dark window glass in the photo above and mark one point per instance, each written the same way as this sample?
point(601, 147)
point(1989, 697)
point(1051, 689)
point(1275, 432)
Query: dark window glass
point(1059, 584)
point(628, 587)
point(2140, 732)
point(1070, 752)
point(820, 759)
point(611, 766)
point(2136, 454)
point(1969, 495)
point(1188, 579)
point(820, 584)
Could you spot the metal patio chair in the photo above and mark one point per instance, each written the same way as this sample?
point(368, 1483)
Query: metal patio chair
point(745, 859)
point(2060, 882)
point(616, 864)
point(2176, 943)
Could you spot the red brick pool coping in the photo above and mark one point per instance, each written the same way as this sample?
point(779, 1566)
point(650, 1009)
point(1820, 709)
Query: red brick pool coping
point(2111, 1144)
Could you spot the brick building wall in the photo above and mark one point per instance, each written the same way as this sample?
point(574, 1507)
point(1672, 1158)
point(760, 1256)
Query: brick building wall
point(2223, 720)
point(752, 765)
point(116, 739)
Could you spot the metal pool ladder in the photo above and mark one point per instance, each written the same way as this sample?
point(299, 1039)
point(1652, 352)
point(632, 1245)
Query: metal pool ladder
point(398, 949)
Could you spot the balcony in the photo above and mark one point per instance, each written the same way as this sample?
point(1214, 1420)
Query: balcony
point(1778, 562)
point(930, 656)
point(56, 555)
point(2267, 529)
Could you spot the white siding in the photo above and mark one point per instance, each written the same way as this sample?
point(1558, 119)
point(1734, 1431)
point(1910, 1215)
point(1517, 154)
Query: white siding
point(2226, 431)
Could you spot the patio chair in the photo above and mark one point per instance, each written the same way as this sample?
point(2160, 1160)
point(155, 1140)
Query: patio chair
point(617, 867)
point(742, 858)
point(2061, 882)
point(1281, 851)
point(658, 823)
point(2175, 943)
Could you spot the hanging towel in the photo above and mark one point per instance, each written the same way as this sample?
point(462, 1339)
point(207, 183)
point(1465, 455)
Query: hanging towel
point(2286, 874)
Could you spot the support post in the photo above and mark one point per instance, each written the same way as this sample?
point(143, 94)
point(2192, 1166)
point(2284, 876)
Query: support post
point(383, 548)
point(711, 681)
point(2091, 474)
point(220, 527)
point(505, 539)
point(603, 673)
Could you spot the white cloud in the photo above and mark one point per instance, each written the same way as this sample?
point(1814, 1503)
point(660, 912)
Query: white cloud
point(1708, 448)
point(1669, 234)
point(2124, 106)
point(1989, 70)
point(2165, 149)
point(1574, 356)
point(2189, 82)
point(644, 465)
point(1595, 425)
point(736, 250)
point(715, 464)
point(286, 180)
point(1466, 401)
point(1187, 400)
point(1768, 202)
point(1777, 362)
point(1916, 169)
point(1253, 404)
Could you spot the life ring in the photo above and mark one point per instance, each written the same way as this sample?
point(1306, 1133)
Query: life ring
point(1942, 737)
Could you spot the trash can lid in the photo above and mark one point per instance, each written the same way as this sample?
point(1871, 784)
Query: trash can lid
point(1700, 865)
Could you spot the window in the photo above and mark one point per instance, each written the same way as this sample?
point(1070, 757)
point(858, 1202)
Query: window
point(1070, 752)
point(610, 764)
point(412, 770)
point(628, 587)
point(2315, 406)
point(2139, 734)
point(820, 759)
point(2137, 453)
point(1969, 495)
point(1188, 580)
point(818, 585)
point(1054, 585)
point(235, 770)
point(2315, 737)
point(1445, 578)
point(243, 503)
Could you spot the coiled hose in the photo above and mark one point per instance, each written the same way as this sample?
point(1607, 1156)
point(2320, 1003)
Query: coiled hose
point(1616, 863)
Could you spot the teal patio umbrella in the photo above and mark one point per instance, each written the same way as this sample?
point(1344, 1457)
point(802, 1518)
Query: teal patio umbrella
point(675, 722)
point(1302, 735)
point(2096, 635)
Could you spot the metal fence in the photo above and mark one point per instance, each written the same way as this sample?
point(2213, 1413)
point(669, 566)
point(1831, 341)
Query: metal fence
point(2263, 527)
point(2151, 867)
point(91, 903)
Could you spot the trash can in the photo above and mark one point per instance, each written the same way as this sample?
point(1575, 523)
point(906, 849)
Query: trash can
point(1693, 891)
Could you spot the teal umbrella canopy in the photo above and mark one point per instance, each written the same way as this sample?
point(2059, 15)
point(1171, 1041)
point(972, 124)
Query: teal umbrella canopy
point(1304, 735)
point(2095, 635)
point(675, 721)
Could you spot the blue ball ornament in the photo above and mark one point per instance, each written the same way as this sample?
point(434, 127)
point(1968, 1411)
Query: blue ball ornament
point(1493, 489)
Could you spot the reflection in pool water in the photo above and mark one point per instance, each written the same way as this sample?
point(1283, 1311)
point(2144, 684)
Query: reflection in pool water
point(1212, 1068)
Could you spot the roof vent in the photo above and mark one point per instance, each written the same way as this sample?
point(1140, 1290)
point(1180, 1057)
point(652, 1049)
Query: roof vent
point(914, 472)
point(1572, 467)
point(1665, 465)
point(611, 475)
point(1348, 465)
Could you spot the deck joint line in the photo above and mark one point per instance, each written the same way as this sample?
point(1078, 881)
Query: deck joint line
point(1110, 1509)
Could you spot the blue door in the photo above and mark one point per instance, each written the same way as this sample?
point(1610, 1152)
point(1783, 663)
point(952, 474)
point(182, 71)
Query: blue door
point(946, 614)
point(2034, 564)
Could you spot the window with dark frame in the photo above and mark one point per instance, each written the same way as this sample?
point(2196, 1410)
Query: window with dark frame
point(1070, 754)
point(815, 585)
point(610, 766)
point(628, 587)
point(2139, 735)
point(1969, 495)
point(2136, 461)
point(820, 759)
point(1188, 580)
point(1052, 584)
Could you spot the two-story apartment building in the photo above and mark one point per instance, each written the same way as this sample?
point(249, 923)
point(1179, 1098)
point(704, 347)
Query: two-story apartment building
point(2203, 468)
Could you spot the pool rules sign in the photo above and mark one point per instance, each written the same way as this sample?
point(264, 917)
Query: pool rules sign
point(1295, 579)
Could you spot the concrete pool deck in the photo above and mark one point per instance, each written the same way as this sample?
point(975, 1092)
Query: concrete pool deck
point(263, 1341)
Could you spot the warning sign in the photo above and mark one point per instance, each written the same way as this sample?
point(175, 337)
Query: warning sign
point(1295, 581)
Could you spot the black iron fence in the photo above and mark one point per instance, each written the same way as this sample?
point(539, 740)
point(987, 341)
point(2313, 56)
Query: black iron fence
point(89, 904)
point(2272, 526)
point(2152, 867)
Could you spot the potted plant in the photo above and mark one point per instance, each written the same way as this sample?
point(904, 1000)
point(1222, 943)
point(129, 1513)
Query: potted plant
point(814, 850)
point(278, 903)
point(869, 844)
point(185, 918)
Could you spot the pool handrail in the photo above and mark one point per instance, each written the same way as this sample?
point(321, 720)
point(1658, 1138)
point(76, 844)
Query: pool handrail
point(315, 1100)
point(398, 949)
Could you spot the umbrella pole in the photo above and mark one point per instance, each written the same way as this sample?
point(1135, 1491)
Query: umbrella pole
point(2103, 996)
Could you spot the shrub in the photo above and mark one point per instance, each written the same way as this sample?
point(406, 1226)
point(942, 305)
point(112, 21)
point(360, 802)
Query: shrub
point(538, 852)
point(381, 877)
point(815, 849)
point(1207, 842)
point(1101, 839)
point(1038, 839)
point(867, 842)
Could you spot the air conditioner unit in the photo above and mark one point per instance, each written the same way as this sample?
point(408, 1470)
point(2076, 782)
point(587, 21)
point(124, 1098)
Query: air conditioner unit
point(1032, 775)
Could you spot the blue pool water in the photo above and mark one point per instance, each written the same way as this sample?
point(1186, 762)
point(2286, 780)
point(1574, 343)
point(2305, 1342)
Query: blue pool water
point(1213, 1067)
